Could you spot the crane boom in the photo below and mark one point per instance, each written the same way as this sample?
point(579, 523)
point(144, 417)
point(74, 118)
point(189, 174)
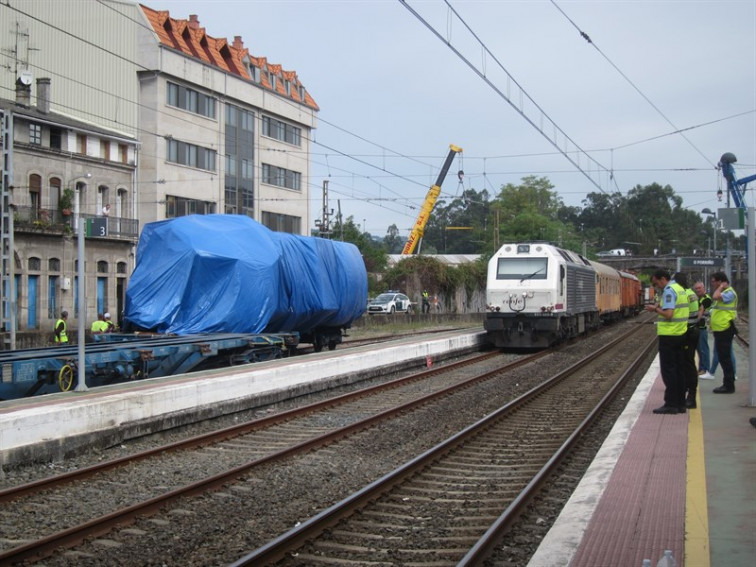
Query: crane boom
point(735, 187)
point(429, 203)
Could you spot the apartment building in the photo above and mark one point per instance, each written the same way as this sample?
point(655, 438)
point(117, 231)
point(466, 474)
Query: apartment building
point(222, 131)
point(146, 113)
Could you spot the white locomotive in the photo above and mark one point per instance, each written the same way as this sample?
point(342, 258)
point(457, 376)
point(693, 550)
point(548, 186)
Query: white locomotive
point(538, 294)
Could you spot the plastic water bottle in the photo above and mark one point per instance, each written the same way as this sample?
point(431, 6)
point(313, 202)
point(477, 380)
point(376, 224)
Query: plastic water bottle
point(646, 563)
point(667, 560)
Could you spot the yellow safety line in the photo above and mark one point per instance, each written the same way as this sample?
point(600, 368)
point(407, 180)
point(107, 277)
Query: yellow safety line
point(697, 550)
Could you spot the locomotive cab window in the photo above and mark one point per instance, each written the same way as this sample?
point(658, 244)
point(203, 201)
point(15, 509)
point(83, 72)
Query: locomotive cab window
point(522, 269)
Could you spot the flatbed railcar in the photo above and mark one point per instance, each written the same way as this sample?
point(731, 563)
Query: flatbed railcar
point(538, 294)
point(126, 357)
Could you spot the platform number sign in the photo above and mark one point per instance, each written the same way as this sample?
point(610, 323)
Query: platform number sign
point(97, 226)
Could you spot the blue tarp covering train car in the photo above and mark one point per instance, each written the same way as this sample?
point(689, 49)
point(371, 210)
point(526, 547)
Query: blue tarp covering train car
point(228, 273)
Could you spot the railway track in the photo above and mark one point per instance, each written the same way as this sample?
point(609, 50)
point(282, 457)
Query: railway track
point(80, 512)
point(451, 505)
point(250, 444)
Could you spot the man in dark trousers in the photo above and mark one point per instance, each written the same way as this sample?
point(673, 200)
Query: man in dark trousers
point(691, 342)
point(671, 326)
point(724, 310)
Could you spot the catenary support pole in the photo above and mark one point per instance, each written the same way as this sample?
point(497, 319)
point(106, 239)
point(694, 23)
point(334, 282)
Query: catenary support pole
point(81, 383)
point(751, 243)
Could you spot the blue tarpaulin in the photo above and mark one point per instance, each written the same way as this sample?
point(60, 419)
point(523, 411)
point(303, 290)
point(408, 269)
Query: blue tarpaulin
point(228, 273)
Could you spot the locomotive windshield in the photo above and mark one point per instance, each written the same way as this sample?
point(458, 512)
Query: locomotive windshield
point(522, 269)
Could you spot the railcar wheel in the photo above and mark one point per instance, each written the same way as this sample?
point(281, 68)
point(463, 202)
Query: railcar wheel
point(65, 378)
point(331, 345)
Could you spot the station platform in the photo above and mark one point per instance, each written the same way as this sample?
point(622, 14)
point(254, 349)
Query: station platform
point(683, 482)
point(50, 427)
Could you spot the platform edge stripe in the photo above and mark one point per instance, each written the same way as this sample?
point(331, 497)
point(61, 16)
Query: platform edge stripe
point(697, 548)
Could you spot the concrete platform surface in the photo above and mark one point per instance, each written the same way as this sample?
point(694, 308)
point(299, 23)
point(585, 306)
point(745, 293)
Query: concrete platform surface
point(681, 482)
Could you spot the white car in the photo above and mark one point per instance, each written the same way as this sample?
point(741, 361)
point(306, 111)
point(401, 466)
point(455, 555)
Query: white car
point(389, 303)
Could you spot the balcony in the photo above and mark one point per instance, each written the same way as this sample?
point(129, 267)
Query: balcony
point(53, 221)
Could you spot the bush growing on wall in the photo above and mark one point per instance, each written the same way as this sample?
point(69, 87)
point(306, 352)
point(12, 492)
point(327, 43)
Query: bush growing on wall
point(416, 273)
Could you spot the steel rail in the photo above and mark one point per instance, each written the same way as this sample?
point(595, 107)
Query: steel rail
point(493, 536)
point(12, 493)
point(45, 546)
point(279, 547)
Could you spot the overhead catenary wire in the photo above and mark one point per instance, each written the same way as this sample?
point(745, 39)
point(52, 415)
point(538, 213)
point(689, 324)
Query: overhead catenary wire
point(585, 36)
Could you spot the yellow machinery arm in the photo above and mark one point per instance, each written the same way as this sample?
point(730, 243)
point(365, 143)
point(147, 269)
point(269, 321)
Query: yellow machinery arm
point(429, 203)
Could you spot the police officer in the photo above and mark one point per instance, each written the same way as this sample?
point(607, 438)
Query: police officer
point(61, 325)
point(672, 325)
point(691, 342)
point(724, 310)
point(426, 302)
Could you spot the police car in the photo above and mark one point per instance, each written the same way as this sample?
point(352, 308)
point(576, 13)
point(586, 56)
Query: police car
point(389, 303)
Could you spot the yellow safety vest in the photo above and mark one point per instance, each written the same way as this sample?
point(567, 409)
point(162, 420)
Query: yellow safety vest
point(723, 313)
point(678, 325)
point(693, 306)
point(63, 336)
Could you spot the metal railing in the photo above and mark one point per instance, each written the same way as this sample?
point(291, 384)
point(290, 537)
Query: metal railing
point(32, 219)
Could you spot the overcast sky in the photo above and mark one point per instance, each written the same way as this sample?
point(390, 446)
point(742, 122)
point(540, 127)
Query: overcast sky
point(393, 96)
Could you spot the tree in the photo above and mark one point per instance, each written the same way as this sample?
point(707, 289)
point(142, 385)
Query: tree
point(372, 253)
point(392, 242)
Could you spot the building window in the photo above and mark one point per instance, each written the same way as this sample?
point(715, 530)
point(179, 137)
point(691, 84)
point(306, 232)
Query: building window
point(35, 134)
point(102, 267)
point(81, 143)
point(281, 131)
point(56, 138)
point(191, 155)
point(179, 207)
point(191, 100)
point(123, 151)
point(105, 149)
point(53, 265)
point(281, 177)
point(35, 264)
point(121, 268)
point(55, 189)
point(35, 192)
point(282, 223)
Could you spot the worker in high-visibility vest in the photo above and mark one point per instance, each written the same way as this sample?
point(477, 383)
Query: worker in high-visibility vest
point(691, 342)
point(61, 326)
point(671, 327)
point(724, 311)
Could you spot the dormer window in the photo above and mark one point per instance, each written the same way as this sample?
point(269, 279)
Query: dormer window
point(301, 93)
point(287, 86)
point(273, 82)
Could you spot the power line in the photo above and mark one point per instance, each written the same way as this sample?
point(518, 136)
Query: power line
point(585, 36)
point(545, 122)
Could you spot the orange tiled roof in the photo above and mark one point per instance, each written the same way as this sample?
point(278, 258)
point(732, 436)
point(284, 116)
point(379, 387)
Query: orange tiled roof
point(188, 37)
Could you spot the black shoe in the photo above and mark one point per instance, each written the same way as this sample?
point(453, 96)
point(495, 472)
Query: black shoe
point(724, 390)
point(682, 410)
point(752, 421)
point(667, 409)
point(690, 403)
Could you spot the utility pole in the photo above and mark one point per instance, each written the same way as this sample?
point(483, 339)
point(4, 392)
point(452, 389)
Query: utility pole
point(325, 224)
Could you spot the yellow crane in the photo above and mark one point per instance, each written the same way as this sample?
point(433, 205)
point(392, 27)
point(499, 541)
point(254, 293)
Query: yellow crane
point(429, 203)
